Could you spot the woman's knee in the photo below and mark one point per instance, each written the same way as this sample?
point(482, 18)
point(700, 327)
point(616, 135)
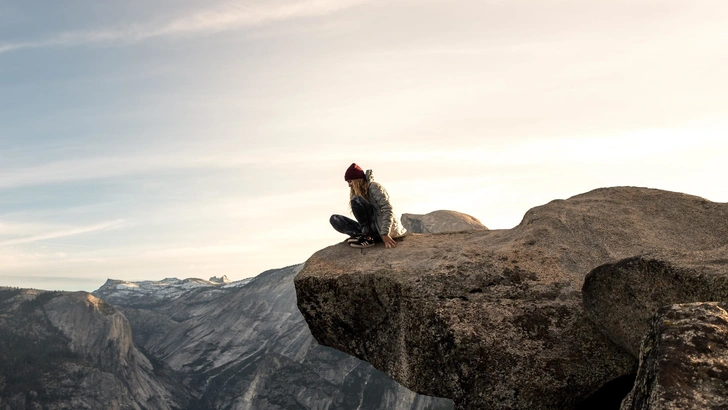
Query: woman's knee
point(336, 220)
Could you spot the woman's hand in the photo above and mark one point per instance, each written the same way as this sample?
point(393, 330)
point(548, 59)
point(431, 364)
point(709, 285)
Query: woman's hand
point(388, 241)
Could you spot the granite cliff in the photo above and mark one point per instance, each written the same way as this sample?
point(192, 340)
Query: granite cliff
point(61, 350)
point(498, 319)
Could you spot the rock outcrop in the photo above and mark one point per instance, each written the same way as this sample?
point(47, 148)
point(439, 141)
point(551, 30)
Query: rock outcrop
point(683, 360)
point(621, 298)
point(248, 348)
point(223, 280)
point(72, 350)
point(440, 222)
point(494, 319)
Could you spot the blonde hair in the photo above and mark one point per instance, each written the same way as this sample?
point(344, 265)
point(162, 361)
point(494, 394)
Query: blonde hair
point(359, 187)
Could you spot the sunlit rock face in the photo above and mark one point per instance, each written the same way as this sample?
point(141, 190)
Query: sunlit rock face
point(72, 350)
point(246, 346)
point(495, 319)
point(441, 221)
point(683, 360)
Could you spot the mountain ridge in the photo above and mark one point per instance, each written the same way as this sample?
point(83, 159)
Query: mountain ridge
point(253, 335)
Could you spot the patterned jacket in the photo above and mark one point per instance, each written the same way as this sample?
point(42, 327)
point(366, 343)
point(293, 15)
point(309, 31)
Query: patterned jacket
point(387, 221)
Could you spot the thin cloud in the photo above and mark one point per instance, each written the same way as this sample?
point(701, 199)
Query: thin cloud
point(93, 168)
point(204, 251)
point(83, 169)
point(189, 158)
point(9, 47)
point(64, 233)
point(227, 17)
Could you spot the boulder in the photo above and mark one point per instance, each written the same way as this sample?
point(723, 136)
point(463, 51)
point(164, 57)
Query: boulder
point(621, 298)
point(494, 319)
point(441, 221)
point(683, 360)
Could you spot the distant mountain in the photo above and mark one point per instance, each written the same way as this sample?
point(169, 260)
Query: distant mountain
point(245, 345)
point(146, 293)
point(62, 350)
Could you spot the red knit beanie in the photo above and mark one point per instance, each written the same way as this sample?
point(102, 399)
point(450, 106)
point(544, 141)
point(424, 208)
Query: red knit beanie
point(354, 172)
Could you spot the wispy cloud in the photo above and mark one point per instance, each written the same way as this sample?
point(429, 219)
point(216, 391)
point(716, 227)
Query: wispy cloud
point(100, 167)
point(225, 17)
point(197, 251)
point(233, 16)
point(9, 47)
point(63, 232)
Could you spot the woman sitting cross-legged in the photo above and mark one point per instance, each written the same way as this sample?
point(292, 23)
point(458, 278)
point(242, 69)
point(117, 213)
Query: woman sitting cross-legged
point(375, 218)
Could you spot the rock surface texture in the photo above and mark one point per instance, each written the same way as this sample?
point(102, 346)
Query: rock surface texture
point(495, 319)
point(622, 297)
point(684, 360)
point(441, 221)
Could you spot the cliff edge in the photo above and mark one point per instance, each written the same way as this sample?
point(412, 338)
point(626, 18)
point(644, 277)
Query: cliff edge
point(495, 319)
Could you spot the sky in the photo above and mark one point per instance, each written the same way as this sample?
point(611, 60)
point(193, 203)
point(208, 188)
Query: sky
point(185, 138)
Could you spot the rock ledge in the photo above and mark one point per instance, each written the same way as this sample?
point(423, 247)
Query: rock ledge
point(494, 319)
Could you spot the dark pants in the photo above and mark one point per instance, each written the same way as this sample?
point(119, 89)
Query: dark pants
point(364, 225)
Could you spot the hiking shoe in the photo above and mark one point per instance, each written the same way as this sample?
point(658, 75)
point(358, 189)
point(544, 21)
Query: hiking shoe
point(362, 242)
